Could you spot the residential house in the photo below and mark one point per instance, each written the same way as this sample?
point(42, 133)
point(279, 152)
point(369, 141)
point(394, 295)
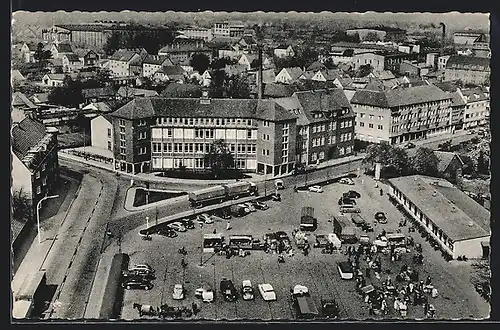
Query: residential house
point(247, 42)
point(22, 106)
point(90, 58)
point(345, 84)
point(273, 90)
point(35, 167)
point(204, 34)
point(231, 52)
point(169, 133)
point(307, 75)
point(92, 95)
point(477, 107)
point(458, 103)
point(100, 107)
point(120, 61)
point(28, 52)
point(70, 62)
point(247, 60)
point(454, 220)
point(268, 76)
point(153, 63)
point(53, 79)
point(442, 60)
point(183, 50)
point(409, 69)
point(449, 165)
point(101, 134)
point(235, 69)
point(473, 70)
point(326, 75)
point(129, 92)
point(341, 56)
point(204, 79)
point(325, 124)
point(401, 114)
point(288, 75)
point(375, 60)
point(58, 49)
point(170, 73)
point(136, 64)
point(40, 99)
point(284, 51)
point(316, 66)
point(16, 76)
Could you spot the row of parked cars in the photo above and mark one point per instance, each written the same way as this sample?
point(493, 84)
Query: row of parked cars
point(319, 189)
point(139, 276)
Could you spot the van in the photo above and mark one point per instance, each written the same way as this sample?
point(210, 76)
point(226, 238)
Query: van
point(307, 221)
point(347, 208)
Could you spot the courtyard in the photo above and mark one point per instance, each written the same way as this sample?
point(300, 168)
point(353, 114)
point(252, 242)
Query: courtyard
point(457, 298)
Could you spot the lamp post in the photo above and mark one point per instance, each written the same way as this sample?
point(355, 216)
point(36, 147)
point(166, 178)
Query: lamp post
point(201, 252)
point(38, 205)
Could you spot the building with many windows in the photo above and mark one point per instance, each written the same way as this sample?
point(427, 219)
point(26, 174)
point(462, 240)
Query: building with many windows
point(401, 114)
point(477, 107)
point(468, 69)
point(458, 223)
point(171, 133)
point(325, 124)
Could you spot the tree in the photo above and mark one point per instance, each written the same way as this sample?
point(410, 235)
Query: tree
point(238, 88)
point(425, 162)
point(364, 70)
point(306, 57)
point(483, 166)
point(200, 62)
point(21, 205)
point(219, 158)
point(372, 36)
point(41, 55)
point(394, 160)
point(113, 43)
point(216, 88)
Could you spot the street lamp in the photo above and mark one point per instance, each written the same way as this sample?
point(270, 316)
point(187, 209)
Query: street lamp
point(38, 215)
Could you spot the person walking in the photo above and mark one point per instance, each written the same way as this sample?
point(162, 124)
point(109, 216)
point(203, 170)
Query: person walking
point(228, 226)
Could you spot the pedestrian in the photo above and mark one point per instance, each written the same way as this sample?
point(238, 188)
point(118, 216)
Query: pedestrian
point(228, 226)
point(434, 293)
point(367, 272)
point(383, 306)
point(370, 311)
point(381, 192)
point(396, 304)
point(195, 308)
point(215, 231)
point(428, 281)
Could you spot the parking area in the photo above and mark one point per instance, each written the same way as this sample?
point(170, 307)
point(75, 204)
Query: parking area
point(317, 271)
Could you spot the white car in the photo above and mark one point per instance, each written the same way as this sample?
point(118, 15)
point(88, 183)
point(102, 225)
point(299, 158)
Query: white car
point(250, 206)
point(205, 218)
point(177, 226)
point(348, 181)
point(267, 292)
point(178, 292)
point(316, 189)
point(141, 268)
point(205, 293)
point(247, 290)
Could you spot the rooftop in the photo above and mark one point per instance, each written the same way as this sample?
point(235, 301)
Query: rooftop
point(124, 55)
point(380, 28)
point(98, 92)
point(445, 205)
point(468, 63)
point(134, 92)
point(26, 135)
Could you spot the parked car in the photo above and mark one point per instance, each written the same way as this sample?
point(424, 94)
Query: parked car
point(223, 213)
point(250, 206)
point(352, 194)
point(410, 145)
point(380, 217)
point(247, 290)
point(141, 268)
point(260, 205)
point(279, 184)
point(228, 290)
point(167, 231)
point(205, 218)
point(137, 283)
point(316, 189)
point(267, 292)
point(347, 181)
point(127, 274)
point(178, 293)
point(205, 293)
point(177, 226)
point(187, 223)
point(329, 308)
point(346, 201)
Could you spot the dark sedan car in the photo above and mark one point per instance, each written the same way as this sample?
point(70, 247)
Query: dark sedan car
point(166, 231)
point(329, 308)
point(380, 217)
point(346, 201)
point(228, 290)
point(137, 283)
point(352, 194)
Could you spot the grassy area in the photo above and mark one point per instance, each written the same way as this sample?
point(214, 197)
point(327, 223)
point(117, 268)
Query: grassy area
point(154, 196)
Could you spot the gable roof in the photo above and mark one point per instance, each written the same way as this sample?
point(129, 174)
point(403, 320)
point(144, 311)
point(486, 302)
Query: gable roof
point(307, 75)
point(191, 107)
point(434, 197)
point(250, 57)
point(174, 90)
point(384, 75)
point(468, 63)
point(156, 59)
point(249, 40)
point(346, 82)
point(474, 94)
point(98, 92)
point(19, 99)
point(457, 99)
point(326, 100)
point(123, 55)
point(315, 66)
point(25, 135)
point(16, 75)
point(56, 76)
point(41, 97)
point(235, 69)
point(64, 48)
point(445, 159)
point(72, 57)
point(172, 70)
point(134, 92)
point(294, 72)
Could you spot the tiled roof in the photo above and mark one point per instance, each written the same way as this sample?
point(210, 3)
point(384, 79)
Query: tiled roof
point(172, 70)
point(468, 63)
point(26, 135)
point(72, 57)
point(400, 96)
point(435, 202)
point(294, 72)
point(307, 75)
point(56, 76)
point(346, 82)
point(134, 92)
point(268, 76)
point(384, 75)
point(447, 86)
point(332, 99)
point(16, 75)
point(249, 40)
point(16, 227)
point(457, 99)
point(98, 92)
point(190, 107)
point(474, 94)
point(174, 90)
point(123, 55)
point(250, 57)
point(42, 97)
point(155, 59)
point(64, 48)
point(445, 159)
point(19, 99)
point(32, 46)
point(279, 90)
point(315, 66)
point(235, 69)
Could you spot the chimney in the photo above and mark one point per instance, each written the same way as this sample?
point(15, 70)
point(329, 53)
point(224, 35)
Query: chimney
point(443, 36)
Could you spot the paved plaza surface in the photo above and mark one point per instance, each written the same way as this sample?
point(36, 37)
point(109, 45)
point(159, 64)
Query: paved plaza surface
point(457, 298)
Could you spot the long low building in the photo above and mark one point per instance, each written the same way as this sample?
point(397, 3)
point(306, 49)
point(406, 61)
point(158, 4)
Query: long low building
point(456, 221)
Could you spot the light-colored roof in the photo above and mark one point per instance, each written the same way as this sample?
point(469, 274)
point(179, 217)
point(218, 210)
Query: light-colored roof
point(426, 193)
point(294, 72)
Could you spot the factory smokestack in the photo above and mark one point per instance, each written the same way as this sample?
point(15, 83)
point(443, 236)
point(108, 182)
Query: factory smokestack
point(443, 37)
point(260, 85)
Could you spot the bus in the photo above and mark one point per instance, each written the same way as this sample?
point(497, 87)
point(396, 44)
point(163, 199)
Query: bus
point(244, 242)
point(212, 242)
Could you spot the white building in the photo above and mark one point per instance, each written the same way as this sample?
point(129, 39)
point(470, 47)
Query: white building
point(288, 75)
point(101, 133)
point(458, 223)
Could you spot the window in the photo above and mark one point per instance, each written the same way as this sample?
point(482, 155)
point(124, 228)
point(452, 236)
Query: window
point(37, 175)
point(44, 181)
point(109, 145)
point(361, 115)
point(342, 124)
point(284, 159)
point(142, 122)
point(263, 152)
point(284, 146)
point(142, 150)
point(371, 117)
point(122, 122)
point(122, 151)
point(122, 129)
point(267, 152)
point(38, 190)
point(249, 133)
point(285, 139)
point(314, 157)
point(142, 135)
point(380, 127)
point(322, 141)
point(361, 124)
point(341, 150)
point(370, 125)
point(322, 155)
point(109, 132)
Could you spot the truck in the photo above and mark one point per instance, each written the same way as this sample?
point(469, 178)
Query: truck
point(303, 303)
point(307, 220)
point(239, 210)
point(343, 228)
point(221, 193)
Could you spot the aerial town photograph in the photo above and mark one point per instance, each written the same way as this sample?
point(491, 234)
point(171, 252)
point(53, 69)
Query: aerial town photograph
point(250, 166)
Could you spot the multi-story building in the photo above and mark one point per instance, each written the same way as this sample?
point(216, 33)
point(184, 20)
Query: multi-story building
point(382, 33)
point(182, 50)
point(473, 70)
point(401, 114)
point(153, 63)
point(228, 29)
point(35, 166)
point(477, 107)
point(380, 60)
point(121, 63)
point(468, 37)
point(170, 133)
point(101, 129)
point(204, 34)
point(325, 124)
point(95, 34)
